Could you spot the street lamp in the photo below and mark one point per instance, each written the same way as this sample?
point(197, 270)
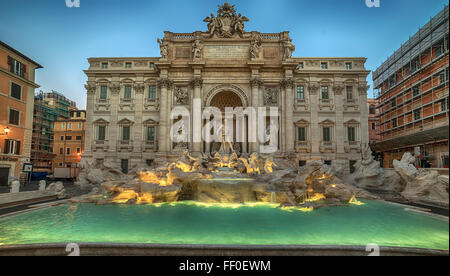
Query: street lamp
point(7, 130)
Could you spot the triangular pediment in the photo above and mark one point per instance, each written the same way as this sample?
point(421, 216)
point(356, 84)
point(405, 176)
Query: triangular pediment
point(352, 122)
point(125, 122)
point(100, 122)
point(302, 122)
point(327, 122)
point(150, 122)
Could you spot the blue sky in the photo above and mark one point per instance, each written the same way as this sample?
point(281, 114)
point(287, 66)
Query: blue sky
point(61, 38)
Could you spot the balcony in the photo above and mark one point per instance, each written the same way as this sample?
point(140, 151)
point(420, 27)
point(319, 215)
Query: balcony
point(352, 146)
point(102, 105)
point(126, 105)
point(151, 104)
point(326, 104)
point(100, 145)
point(125, 146)
point(327, 147)
point(303, 146)
point(149, 146)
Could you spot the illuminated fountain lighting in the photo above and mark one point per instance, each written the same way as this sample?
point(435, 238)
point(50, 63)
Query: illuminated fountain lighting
point(315, 197)
point(354, 201)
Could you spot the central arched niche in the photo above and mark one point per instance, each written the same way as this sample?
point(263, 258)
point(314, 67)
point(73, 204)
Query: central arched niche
point(226, 99)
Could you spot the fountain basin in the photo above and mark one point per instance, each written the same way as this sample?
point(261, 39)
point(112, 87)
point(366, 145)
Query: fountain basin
point(191, 223)
point(225, 190)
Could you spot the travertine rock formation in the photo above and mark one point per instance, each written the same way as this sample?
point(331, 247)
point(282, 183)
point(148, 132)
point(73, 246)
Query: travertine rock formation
point(422, 185)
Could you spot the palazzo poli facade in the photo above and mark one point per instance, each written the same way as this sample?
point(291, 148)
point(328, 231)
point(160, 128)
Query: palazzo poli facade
point(322, 102)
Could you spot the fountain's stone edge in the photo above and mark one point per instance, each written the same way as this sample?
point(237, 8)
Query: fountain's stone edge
point(113, 249)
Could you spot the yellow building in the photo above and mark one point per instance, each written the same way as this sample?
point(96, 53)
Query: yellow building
point(69, 140)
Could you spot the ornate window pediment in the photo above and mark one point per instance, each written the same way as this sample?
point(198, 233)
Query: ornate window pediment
point(302, 123)
point(125, 122)
point(101, 122)
point(327, 123)
point(150, 122)
point(351, 122)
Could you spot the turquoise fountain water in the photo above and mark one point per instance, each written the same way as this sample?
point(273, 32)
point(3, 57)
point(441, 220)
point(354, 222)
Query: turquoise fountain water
point(259, 224)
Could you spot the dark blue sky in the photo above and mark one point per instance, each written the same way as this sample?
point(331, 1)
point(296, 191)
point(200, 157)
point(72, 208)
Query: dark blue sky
point(61, 38)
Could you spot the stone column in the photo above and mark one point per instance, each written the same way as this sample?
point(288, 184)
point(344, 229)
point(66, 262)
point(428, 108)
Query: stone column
point(364, 114)
point(314, 126)
point(255, 84)
point(340, 130)
point(289, 108)
point(91, 89)
point(113, 130)
point(163, 140)
point(138, 136)
point(196, 83)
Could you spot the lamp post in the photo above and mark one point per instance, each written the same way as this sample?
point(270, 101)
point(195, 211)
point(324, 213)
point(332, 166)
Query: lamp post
point(7, 131)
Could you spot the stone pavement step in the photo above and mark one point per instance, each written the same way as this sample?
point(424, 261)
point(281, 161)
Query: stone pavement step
point(17, 199)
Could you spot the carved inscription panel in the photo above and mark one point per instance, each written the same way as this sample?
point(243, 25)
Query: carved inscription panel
point(226, 51)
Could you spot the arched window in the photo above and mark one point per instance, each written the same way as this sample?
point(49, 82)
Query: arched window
point(372, 109)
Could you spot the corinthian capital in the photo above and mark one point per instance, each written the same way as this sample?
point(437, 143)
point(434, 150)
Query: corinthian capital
point(287, 83)
point(139, 88)
point(90, 88)
point(165, 83)
point(197, 82)
point(362, 88)
point(115, 88)
point(256, 82)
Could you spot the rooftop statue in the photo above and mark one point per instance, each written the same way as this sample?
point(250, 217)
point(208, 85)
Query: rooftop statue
point(227, 23)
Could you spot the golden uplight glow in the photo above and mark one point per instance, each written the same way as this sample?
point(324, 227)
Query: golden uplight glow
point(315, 197)
point(354, 201)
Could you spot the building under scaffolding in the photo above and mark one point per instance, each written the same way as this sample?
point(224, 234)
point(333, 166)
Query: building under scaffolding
point(413, 92)
point(48, 107)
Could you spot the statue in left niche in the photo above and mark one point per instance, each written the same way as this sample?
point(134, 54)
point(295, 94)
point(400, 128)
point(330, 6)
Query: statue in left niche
point(197, 48)
point(164, 48)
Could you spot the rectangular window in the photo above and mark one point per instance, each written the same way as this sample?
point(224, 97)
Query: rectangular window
point(104, 65)
point(149, 162)
point(127, 94)
point(128, 65)
point(393, 102)
point(63, 125)
point(351, 134)
point(125, 133)
point(68, 151)
point(300, 66)
point(61, 151)
point(151, 134)
point(14, 117)
point(12, 147)
point(442, 77)
point(444, 106)
point(373, 126)
point(302, 134)
point(325, 95)
point(68, 138)
point(69, 125)
point(80, 125)
point(124, 165)
point(16, 67)
point(417, 115)
point(326, 134)
point(16, 91)
point(349, 92)
point(62, 138)
point(101, 133)
point(352, 166)
point(103, 92)
point(301, 163)
point(348, 66)
point(416, 90)
point(152, 92)
point(78, 150)
point(394, 123)
point(78, 138)
point(327, 162)
point(300, 92)
point(324, 65)
point(152, 65)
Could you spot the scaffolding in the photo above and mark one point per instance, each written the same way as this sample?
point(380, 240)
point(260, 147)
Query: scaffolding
point(48, 107)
